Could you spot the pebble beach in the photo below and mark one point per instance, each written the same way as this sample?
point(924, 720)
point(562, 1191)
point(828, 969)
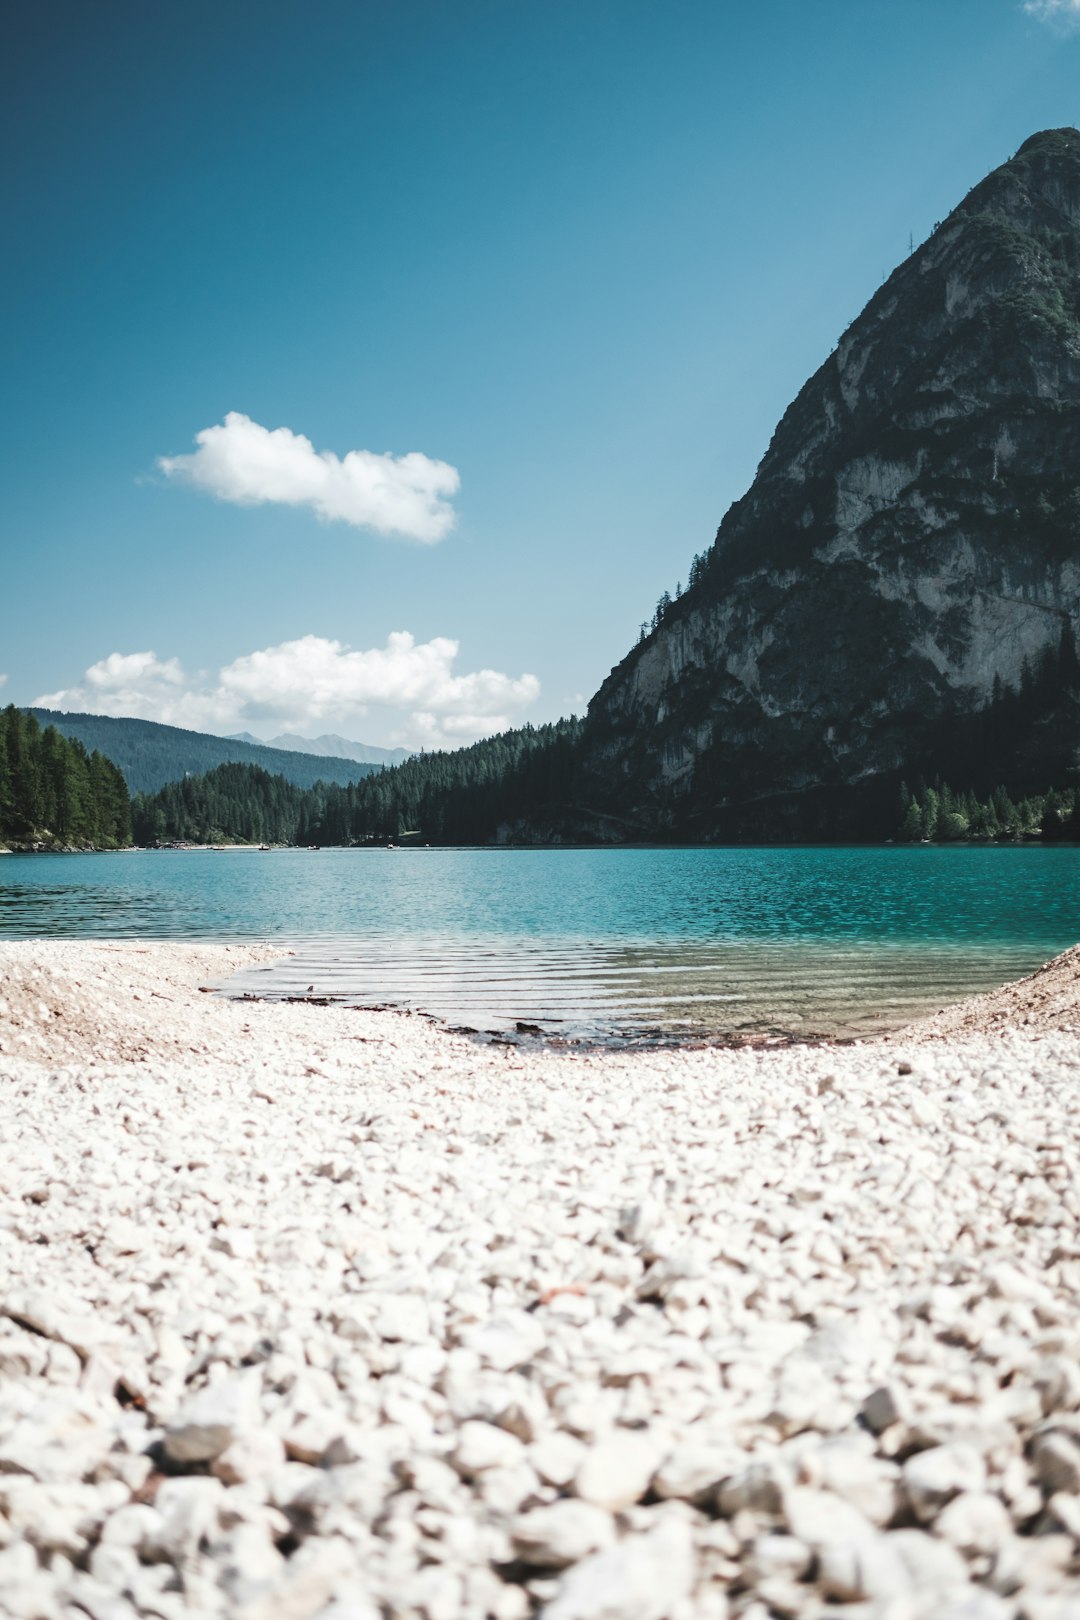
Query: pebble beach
point(315, 1312)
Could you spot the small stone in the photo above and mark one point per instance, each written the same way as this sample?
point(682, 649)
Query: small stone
point(867, 1567)
point(1057, 1379)
point(187, 1513)
point(309, 1438)
point(757, 1489)
point(616, 1470)
point(880, 1411)
point(777, 1555)
point(935, 1476)
point(211, 1420)
point(928, 1561)
point(1056, 1460)
point(691, 1472)
point(251, 1456)
point(554, 1536)
point(1066, 1510)
point(557, 1458)
point(482, 1446)
point(403, 1317)
point(821, 1519)
point(309, 1580)
point(975, 1523)
point(643, 1577)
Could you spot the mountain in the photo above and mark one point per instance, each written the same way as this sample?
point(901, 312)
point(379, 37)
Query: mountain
point(149, 755)
point(333, 746)
point(897, 594)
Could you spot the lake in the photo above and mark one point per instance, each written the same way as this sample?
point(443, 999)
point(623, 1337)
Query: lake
point(589, 942)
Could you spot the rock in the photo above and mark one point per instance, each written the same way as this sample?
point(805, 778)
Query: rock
point(69, 1322)
point(310, 1580)
point(757, 1489)
point(930, 1563)
point(212, 1420)
point(1057, 1379)
point(135, 1526)
point(691, 1472)
point(403, 1317)
point(482, 1446)
point(1065, 1510)
point(186, 1513)
point(880, 1409)
point(642, 1577)
point(935, 1476)
point(617, 1468)
point(250, 1456)
point(311, 1437)
point(777, 1555)
point(863, 1568)
point(248, 1561)
point(552, 1537)
point(557, 1458)
point(1056, 1460)
point(821, 1519)
point(508, 1342)
point(975, 1523)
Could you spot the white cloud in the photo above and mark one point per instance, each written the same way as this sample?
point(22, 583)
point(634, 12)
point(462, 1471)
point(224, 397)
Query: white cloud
point(3, 680)
point(239, 460)
point(311, 682)
point(1063, 14)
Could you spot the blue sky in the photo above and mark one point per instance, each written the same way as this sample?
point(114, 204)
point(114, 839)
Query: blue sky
point(573, 257)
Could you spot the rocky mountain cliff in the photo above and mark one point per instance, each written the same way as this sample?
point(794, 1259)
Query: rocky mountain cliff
point(909, 549)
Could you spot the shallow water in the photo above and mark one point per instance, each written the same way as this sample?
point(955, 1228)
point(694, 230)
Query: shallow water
point(589, 942)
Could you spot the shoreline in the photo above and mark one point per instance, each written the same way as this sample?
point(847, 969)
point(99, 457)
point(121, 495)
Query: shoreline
point(314, 1311)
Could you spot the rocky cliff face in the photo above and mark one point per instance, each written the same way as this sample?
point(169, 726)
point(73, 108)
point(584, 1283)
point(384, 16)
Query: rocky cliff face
point(912, 534)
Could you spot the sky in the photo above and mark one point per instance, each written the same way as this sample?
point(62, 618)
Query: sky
point(372, 368)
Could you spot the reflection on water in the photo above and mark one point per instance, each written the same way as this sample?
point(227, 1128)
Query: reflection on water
point(575, 990)
point(689, 940)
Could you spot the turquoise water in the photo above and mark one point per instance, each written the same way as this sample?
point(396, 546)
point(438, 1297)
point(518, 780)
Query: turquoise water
point(807, 940)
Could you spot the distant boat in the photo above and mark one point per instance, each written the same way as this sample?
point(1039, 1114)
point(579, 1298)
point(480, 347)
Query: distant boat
point(264, 846)
point(313, 846)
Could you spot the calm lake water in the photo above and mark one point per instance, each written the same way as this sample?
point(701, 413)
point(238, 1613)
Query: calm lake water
point(588, 942)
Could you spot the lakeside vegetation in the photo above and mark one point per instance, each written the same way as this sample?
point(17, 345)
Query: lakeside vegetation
point(941, 815)
point(54, 793)
point(474, 794)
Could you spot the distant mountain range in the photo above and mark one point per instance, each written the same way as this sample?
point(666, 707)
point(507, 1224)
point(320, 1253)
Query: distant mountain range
point(329, 745)
point(150, 755)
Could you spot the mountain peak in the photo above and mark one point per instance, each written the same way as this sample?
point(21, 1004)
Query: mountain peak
point(1064, 142)
point(909, 547)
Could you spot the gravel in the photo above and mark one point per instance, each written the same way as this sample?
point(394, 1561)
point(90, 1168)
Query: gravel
point(312, 1312)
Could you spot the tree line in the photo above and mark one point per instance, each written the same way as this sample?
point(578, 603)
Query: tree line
point(53, 792)
point(942, 815)
point(462, 797)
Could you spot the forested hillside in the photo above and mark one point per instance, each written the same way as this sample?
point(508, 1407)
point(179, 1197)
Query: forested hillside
point(53, 792)
point(230, 804)
point(151, 755)
point(472, 795)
